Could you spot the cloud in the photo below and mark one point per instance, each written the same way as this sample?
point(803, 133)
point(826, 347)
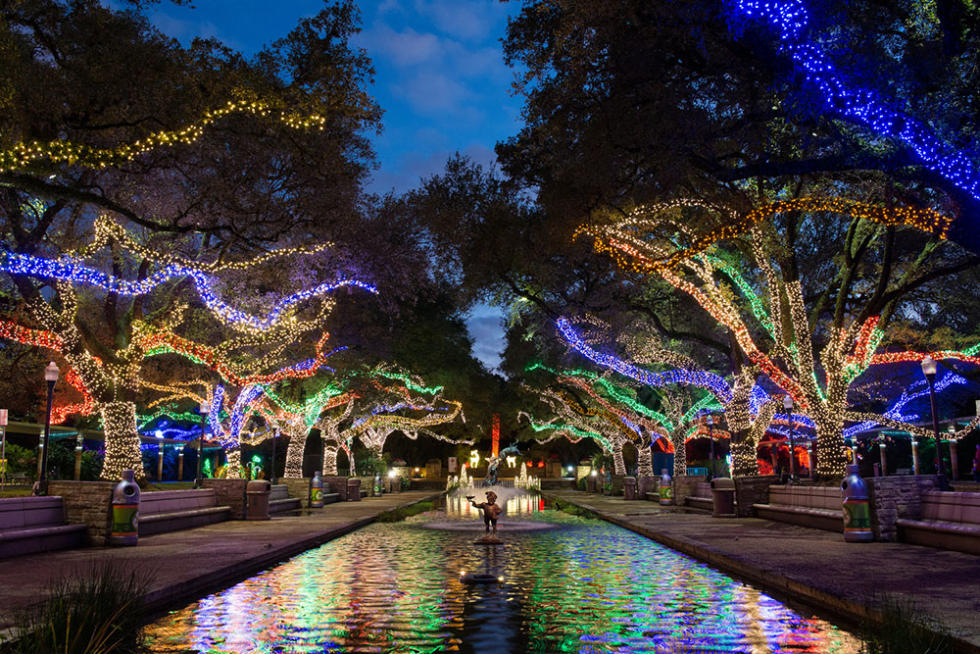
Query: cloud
point(485, 325)
point(403, 48)
point(408, 171)
point(432, 92)
point(464, 20)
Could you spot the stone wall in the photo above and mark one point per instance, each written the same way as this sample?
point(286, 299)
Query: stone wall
point(229, 492)
point(896, 497)
point(684, 486)
point(300, 488)
point(87, 503)
point(751, 490)
point(645, 484)
point(336, 485)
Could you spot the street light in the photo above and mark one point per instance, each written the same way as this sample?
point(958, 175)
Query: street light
point(199, 480)
point(159, 434)
point(272, 474)
point(50, 376)
point(711, 447)
point(929, 370)
point(788, 406)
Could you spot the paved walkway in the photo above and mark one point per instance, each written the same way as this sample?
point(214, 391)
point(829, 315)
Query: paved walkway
point(811, 565)
point(185, 565)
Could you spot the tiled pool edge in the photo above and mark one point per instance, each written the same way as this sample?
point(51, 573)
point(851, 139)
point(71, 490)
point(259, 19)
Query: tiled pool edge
point(766, 580)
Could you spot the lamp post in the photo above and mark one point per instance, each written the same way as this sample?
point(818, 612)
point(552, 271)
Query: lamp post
point(159, 435)
point(50, 376)
point(788, 406)
point(199, 480)
point(929, 370)
point(78, 456)
point(272, 472)
point(711, 447)
point(954, 463)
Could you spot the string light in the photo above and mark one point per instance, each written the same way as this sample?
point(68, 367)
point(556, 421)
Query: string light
point(71, 271)
point(24, 155)
point(863, 105)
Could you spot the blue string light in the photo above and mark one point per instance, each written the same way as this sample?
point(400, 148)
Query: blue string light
point(790, 20)
point(698, 378)
point(72, 271)
point(914, 392)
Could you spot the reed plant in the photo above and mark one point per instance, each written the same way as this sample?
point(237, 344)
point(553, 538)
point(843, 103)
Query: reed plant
point(95, 613)
point(904, 629)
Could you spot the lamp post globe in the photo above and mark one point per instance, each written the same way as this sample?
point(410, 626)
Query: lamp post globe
point(51, 373)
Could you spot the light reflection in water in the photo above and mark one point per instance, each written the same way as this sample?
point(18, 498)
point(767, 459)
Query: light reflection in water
point(585, 586)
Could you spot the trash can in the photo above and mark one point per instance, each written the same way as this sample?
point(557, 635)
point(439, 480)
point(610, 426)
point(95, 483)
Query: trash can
point(353, 489)
point(125, 511)
point(257, 493)
point(857, 511)
point(376, 488)
point(316, 491)
point(723, 497)
point(666, 488)
point(629, 488)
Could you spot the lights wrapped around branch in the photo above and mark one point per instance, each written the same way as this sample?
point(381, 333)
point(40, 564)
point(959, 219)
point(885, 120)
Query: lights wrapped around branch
point(24, 155)
point(71, 271)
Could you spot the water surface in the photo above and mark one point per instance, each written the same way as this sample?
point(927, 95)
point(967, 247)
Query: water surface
point(569, 585)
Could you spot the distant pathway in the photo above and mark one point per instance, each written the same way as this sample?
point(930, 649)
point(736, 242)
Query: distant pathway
point(185, 565)
point(810, 565)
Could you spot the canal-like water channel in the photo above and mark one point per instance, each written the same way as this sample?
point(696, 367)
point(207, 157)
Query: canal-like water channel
point(569, 584)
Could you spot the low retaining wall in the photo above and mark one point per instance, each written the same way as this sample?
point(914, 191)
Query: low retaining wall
point(87, 503)
point(896, 497)
point(229, 492)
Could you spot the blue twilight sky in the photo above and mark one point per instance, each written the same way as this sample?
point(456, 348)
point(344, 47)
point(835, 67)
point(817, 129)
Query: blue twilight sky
point(440, 79)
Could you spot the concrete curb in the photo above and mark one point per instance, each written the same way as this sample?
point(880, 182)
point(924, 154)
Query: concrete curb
point(768, 580)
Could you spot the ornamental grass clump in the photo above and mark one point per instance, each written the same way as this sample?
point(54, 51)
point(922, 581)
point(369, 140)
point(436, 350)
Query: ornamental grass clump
point(905, 630)
point(96, 613)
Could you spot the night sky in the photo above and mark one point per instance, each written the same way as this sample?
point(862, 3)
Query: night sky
point(440, 79)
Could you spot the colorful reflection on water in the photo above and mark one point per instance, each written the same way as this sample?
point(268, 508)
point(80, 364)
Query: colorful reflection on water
point(581, 586)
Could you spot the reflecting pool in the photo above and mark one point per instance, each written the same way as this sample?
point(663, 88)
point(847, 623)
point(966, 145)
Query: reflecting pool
point(568, 584)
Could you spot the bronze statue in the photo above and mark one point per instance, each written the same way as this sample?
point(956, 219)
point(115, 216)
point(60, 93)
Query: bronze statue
point(490, 511)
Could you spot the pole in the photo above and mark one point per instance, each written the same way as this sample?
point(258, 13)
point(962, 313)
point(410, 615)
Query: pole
point(198, 479)
point(3, 457)
point(711, 448)
point(43, 485)
point(272, 473)
point(941, 482)
point(792, 451)
point(160, 461)
point(78, 457)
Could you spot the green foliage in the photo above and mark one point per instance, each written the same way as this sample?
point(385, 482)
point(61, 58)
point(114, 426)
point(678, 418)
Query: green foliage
point(20, 460)
point(905, 630)
point(97, 613)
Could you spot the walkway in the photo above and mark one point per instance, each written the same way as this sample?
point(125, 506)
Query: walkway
point(185, 565)
point(816, 567)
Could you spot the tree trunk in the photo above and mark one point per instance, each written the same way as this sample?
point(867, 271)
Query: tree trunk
point(680, 454)
point(832, 458)
point(329, 460)
point(122, 441)
point(234, 465)
point(644, 460)
point(618, 466)
point(294, 453)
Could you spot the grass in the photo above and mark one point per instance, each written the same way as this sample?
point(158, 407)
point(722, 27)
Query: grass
point(905, 630)
point(24, 491)
point(397, 515)
point(95, 613)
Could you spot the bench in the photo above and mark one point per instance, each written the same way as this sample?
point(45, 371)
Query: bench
point(700, 497)
point(818, 507)
point(949, 520)
point(280, 502)
point(36, 524)
point(164, 511)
